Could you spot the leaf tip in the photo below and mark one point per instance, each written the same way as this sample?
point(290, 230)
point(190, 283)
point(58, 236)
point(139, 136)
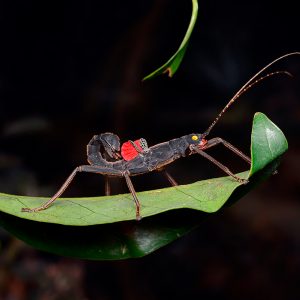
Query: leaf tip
point(267, 142)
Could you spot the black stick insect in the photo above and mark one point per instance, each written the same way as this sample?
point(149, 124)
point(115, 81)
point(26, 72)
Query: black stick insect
point(106, 157)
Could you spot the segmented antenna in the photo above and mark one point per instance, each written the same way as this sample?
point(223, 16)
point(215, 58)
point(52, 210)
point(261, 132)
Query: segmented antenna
point(250, 83)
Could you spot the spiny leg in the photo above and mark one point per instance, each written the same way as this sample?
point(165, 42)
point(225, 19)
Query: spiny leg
point(221, 166)
point(133, 192)
point(169, 177)
point(215, 141)
point(85, 168)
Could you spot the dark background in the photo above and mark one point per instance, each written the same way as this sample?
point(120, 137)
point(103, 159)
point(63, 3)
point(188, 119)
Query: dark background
point(72, 69)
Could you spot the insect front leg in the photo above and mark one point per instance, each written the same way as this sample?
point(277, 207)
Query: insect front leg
point(215, 141)
point(221, 166)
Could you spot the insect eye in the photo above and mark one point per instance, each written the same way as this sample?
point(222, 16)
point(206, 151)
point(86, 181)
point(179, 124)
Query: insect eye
point(194, 138)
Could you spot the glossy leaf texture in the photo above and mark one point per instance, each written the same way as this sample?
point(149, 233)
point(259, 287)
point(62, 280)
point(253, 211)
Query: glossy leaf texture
point(174, 62)
point(105, 227)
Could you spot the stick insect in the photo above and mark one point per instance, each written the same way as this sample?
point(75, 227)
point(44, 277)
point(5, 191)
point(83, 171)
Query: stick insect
point(107, 157)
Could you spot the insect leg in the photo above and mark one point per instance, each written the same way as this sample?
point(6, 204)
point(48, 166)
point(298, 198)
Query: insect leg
point(221, 166)
point(215, 141)
point(85, 168)
point(107, 186)
point(133, 192)
point(170, 178)
point(57, 194)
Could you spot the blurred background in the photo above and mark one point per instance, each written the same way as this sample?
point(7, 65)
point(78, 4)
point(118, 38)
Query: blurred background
point(72, 69)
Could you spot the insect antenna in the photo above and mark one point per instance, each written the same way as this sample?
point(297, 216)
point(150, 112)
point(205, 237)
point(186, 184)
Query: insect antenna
point(250, 83)
point(240, 93)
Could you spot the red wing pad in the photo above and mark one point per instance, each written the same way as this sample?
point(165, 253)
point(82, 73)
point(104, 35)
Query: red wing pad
point(129, 152)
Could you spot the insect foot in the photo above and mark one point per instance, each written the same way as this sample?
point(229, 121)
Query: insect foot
point(243, 181)
point(138, 217)
point(239, 179)
point(26, 209)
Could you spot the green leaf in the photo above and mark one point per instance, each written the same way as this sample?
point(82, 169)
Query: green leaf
point(207, 195)
point(268, 142)
point(174, 62)
point(99, 233)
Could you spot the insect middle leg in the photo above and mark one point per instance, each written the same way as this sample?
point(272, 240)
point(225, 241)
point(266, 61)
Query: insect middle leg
point(170, 178)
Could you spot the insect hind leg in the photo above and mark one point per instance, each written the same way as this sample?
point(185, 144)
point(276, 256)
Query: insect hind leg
point(84, 168)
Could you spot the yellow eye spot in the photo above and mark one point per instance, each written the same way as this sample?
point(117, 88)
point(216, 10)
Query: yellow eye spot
point(194, 138)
